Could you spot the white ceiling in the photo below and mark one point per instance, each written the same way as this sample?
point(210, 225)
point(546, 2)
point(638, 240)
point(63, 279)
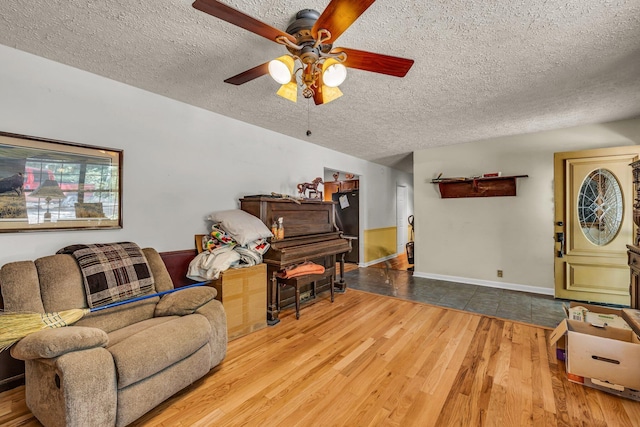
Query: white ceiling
point(482, 68)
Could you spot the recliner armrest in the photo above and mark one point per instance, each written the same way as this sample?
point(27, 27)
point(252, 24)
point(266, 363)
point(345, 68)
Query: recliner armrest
point(50, 343)
point(184, 301)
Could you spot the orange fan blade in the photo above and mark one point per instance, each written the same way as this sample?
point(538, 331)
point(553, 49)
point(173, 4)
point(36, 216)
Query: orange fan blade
point(235, 17)
point(339, 15)
point(249, 75)
point(375, 62)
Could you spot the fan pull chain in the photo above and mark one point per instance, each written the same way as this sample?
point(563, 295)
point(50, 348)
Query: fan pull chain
point(308, 117)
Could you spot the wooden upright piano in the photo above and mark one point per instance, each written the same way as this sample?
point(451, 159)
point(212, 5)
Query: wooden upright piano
point(310, 234)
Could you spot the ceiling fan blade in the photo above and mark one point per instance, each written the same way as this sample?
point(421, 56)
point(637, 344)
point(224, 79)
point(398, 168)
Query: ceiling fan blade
point(249, 75)
point(375, 62)
point(339, 15)
point(235, 17)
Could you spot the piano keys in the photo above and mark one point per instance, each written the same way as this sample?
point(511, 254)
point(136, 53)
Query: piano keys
point(310, 234)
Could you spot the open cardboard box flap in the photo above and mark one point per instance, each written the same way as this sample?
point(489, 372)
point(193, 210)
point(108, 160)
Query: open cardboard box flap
point(632, 316)
point(607, 332)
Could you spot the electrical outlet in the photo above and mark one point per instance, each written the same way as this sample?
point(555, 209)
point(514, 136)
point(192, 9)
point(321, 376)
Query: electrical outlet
point(499, 273)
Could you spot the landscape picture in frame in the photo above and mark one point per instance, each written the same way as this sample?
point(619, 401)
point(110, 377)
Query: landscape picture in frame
point(56, 185)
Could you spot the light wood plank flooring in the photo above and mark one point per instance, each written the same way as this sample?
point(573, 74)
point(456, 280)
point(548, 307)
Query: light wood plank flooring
point(373, 360)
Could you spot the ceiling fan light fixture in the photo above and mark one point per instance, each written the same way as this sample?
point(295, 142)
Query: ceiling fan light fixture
point(328, 94)
point(334, 73)
point(289, 91)
point(309, 40)
point(281, 69)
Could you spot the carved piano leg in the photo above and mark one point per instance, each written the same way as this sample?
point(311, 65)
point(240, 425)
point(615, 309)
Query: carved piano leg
point(272, 306)
point(341, 285)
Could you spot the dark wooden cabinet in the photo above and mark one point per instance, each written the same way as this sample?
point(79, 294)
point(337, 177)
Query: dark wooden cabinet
point(352, 184)
point(11, 370)
point(339, 187)
point(634, 267)
point(634, 250)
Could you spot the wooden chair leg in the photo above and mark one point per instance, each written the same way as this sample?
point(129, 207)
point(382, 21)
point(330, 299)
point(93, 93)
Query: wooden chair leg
point(331, 287)
point(297, 302)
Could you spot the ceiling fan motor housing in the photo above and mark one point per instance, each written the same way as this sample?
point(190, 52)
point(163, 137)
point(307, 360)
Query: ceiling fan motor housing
point(304, 20)
point(300, 28)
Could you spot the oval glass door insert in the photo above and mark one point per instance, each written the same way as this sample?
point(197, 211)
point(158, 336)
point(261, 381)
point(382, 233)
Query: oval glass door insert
point(600, 207)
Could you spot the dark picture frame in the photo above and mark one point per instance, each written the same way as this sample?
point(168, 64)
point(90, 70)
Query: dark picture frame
point(48, 185)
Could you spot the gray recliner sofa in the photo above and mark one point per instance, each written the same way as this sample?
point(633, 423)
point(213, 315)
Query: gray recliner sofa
point(114, 365)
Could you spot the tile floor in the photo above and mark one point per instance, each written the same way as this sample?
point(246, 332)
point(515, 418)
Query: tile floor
point(524, 307)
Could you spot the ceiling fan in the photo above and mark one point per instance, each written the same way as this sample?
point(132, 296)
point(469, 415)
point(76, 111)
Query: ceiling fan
point(312, 60)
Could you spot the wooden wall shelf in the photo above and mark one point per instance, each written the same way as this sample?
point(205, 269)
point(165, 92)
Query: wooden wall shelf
point(478, 187)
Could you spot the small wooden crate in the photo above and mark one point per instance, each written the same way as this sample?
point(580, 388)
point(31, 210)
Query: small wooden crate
point(243, 293)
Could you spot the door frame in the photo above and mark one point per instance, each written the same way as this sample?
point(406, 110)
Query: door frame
point(402, 220)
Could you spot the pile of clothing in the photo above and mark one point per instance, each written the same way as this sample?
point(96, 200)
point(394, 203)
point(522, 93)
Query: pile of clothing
point(221, 252)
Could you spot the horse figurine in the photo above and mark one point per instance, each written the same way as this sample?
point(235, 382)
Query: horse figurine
point(312, 187)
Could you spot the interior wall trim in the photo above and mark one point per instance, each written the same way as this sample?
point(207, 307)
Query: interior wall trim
point(487, 283)
point(377, 261)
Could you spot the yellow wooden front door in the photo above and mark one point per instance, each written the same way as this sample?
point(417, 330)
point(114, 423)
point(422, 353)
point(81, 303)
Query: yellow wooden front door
point(593, 223)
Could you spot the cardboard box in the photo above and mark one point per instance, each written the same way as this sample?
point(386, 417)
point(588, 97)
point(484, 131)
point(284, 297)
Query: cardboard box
point(632, 316)
point(593, 314)
point(596, 314)
point(606, 387)
point(604, 355)
point(243, 293)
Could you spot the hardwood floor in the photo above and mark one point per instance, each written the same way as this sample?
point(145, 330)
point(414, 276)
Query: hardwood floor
point(368, 359)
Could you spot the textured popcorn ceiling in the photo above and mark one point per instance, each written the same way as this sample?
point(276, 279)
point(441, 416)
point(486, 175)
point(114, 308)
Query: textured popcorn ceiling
point(482, 68)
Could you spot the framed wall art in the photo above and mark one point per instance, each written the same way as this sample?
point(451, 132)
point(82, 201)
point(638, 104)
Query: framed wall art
point(56, 185)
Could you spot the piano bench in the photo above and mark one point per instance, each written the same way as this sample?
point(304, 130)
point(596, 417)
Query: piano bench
point(299, 281)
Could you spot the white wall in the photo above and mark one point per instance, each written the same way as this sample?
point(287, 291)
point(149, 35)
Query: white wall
point(180, 162)
point(469, 239)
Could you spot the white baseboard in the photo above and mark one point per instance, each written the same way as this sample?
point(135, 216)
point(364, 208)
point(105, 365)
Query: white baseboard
point(487, 283)
point(377, 261)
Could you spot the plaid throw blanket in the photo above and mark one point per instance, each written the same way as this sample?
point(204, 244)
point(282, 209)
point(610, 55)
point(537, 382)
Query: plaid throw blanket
point(112, 272)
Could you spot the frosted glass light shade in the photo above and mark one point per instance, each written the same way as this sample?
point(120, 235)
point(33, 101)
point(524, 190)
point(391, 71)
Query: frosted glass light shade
point(329, 94)
point(280, 69)
point(334, 75)
point(289, 91)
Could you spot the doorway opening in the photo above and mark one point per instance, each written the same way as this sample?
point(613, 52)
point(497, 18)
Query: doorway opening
point(343, 188)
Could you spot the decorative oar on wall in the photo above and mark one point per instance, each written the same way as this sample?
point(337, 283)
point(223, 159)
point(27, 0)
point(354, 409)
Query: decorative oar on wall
point(15, 326)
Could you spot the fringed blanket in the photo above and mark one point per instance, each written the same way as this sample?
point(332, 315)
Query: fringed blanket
point(112, 272)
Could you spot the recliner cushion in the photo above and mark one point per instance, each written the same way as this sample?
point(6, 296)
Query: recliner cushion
point(147, 352)
point(122, 334)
